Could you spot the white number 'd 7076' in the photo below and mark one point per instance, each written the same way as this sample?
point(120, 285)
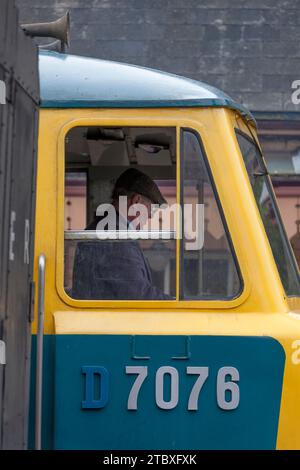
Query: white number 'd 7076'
point(227, 379)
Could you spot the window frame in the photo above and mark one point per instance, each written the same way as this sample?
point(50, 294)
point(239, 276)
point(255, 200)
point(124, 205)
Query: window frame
point(178, 303)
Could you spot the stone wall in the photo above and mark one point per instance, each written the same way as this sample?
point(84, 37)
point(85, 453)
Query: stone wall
point(250, 49)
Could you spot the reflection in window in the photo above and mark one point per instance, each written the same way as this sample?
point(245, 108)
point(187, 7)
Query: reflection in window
point(208, 271)
point(75, 216)
point(262, 188)
point(75, 200)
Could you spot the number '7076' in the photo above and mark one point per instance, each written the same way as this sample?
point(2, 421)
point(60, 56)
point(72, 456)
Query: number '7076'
point(227, 388)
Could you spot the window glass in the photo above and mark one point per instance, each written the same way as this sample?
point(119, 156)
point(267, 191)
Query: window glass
point(114, 250)
point(262, 188)
point(208, 270)
point(75, 217)
point(280, 141)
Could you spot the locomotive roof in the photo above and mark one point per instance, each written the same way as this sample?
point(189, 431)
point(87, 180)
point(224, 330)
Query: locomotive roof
point(69, 81)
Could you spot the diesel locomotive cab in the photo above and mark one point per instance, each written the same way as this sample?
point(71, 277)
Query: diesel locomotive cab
point(211, 360)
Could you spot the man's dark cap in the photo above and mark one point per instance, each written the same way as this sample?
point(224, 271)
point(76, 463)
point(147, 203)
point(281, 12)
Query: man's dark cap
point(135, 181)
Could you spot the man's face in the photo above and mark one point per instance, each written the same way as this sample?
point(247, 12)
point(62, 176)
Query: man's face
point(145, 203)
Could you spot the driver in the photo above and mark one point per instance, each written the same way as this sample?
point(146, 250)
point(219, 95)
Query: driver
point(118, 270)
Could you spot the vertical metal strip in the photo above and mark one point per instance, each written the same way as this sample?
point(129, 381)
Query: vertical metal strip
point(179, 213)
point(39, 352)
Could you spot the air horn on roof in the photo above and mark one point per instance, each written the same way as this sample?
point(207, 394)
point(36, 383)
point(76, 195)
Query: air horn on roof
point(59, 29)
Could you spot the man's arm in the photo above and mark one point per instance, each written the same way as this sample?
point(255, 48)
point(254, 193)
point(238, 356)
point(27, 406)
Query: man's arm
point(139, 271)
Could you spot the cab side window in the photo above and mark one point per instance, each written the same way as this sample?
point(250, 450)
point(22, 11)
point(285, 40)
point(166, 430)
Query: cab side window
point(128, 255)
point(208, 266)
point(117, 183)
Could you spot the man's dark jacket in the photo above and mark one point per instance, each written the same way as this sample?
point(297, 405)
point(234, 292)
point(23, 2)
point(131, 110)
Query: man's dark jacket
point(112, 270)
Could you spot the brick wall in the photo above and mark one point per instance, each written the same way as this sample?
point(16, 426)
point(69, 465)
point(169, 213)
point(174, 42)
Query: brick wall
point(250, 49)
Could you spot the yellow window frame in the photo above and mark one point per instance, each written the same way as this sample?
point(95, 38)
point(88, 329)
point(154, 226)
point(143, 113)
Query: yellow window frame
point(177, 303)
